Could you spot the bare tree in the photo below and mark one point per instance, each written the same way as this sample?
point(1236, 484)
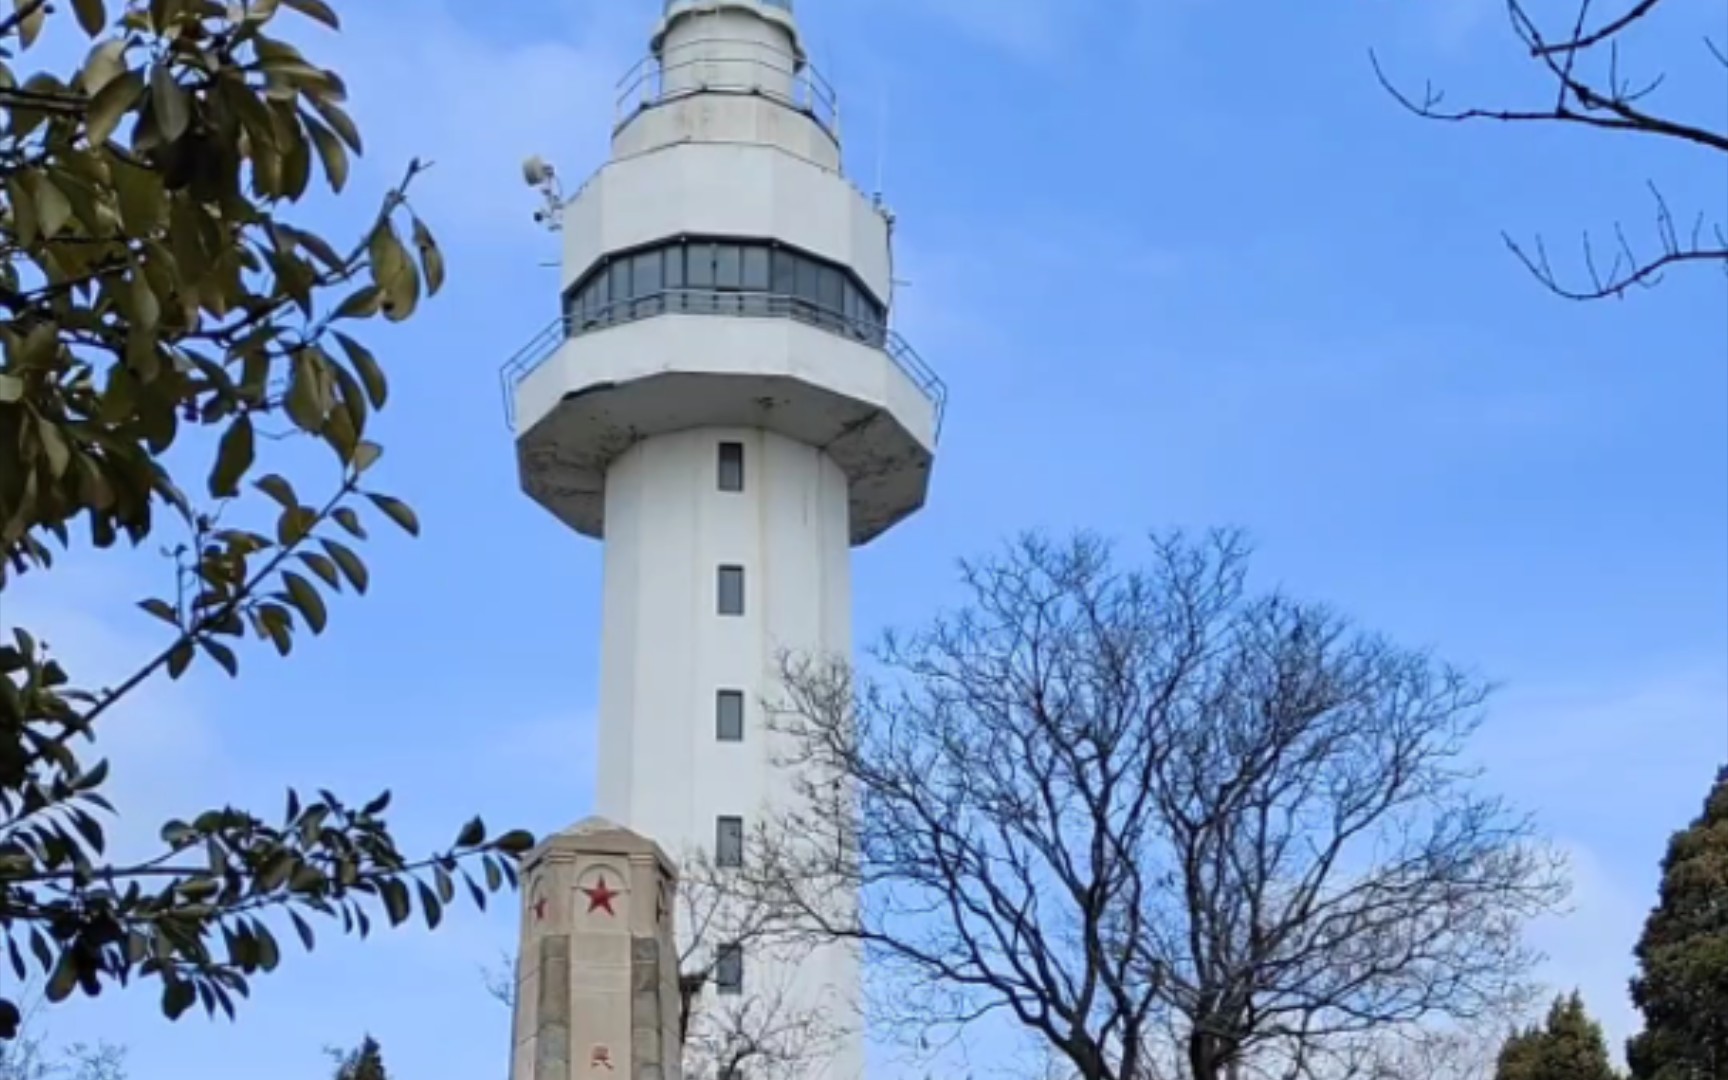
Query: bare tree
point(30, 1055)
point(1171, 828)
point(1593, 86)
point(767, 1033)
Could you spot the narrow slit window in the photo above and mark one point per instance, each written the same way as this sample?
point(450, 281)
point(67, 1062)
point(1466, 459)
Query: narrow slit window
point(729, 716)
point(731, 590)
point(729, 969)
point(729, 842)
point(731, 466)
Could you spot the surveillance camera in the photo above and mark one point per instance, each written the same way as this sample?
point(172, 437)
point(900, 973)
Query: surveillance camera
point(535, 171)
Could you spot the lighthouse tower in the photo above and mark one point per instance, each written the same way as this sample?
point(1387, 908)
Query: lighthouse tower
point(724, 405)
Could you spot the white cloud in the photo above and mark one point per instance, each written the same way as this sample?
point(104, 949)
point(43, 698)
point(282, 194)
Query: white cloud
point(1611, 772)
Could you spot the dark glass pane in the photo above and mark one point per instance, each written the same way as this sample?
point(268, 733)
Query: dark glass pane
point(806, 285)
point(729, 969)
point(645, 280)
point(728, 271)
point(729, 842)
point(699, 267)
point(731, 590)
point(731, 466)
point(828, 290)
point(729, 716)
point(785, 273)
point(621, 280)
point(756, 269)
point(675, 267)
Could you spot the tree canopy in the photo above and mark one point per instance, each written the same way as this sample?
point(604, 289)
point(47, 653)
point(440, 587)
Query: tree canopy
point(1569, 1046)
point(366, 1062)
point(167, 328)
point(1166, 825)
point(1682, 981)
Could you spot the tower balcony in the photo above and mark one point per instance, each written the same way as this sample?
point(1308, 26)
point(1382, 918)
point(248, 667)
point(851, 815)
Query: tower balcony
point(577, 396)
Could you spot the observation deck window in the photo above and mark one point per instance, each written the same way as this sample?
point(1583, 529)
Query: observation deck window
point(714, 277)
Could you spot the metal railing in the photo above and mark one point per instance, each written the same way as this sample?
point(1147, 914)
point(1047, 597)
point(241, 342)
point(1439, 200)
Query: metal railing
point(783, 5)
point(728, 66)
point(720, 302)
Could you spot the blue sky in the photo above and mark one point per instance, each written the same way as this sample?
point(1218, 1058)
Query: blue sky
point(1182, 263)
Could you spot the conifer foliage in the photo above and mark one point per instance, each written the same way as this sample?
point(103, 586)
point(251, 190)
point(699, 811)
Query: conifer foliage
point(365, 1063)
point(1569, 1046)
point(1682, 985)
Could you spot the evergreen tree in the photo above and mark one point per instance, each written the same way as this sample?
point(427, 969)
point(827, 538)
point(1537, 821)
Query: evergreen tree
point(1682, 988)
point(366, 1063)
point(1570, 1046)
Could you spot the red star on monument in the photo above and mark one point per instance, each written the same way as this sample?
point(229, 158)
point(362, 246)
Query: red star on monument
point(539, 909)
point(600, 897)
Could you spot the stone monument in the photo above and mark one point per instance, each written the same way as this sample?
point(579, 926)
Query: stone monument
point(597, 971)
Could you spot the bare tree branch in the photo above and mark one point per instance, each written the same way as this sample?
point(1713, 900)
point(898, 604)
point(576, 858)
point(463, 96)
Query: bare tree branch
point(1169, 827)
point(1592, 91)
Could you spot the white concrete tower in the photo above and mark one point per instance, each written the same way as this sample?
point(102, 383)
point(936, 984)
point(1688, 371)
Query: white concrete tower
point(723, 404)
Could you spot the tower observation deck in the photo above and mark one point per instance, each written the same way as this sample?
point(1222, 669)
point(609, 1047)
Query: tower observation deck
point(723, 402)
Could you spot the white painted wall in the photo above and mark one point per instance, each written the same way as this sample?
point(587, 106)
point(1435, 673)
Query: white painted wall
point(665, 651)
point(729, 45)
point(726, 189)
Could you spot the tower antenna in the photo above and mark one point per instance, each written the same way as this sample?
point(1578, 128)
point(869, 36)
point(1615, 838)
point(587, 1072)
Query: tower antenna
point(882, 140)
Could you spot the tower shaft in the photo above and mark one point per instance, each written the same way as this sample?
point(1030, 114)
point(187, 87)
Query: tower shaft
point(724, 404)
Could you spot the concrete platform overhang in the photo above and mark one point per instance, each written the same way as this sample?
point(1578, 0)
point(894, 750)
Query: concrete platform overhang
point(601, 392)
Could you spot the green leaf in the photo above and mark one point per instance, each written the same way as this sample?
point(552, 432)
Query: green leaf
point(280, 490)
point(430, 907)
point(514, 842)
point(110, 105)
point(350, 521)
point(398, 511)
point(54, 447)
point(177, 996)
point(316, 9)
point(330, 151)
point(53, 209)
point(64, 978)
point(366, 455)
point(269, 954)
point(92, 16)
point(307, 405)
point(222, 654)
point(362, 303)
point(306, 598)
point(161, 609)
point(11, 388)
point(31, 25)
point(179, 659)
point(340, 122)
point(169, 100)
point(394, 272)
point(396, 902)
point(430, 257)
point(472, 835)
point(323, 567)
point(305, 931)
point(233, 458)
point(366, 366)
point(106, 62)
point(349, 563)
